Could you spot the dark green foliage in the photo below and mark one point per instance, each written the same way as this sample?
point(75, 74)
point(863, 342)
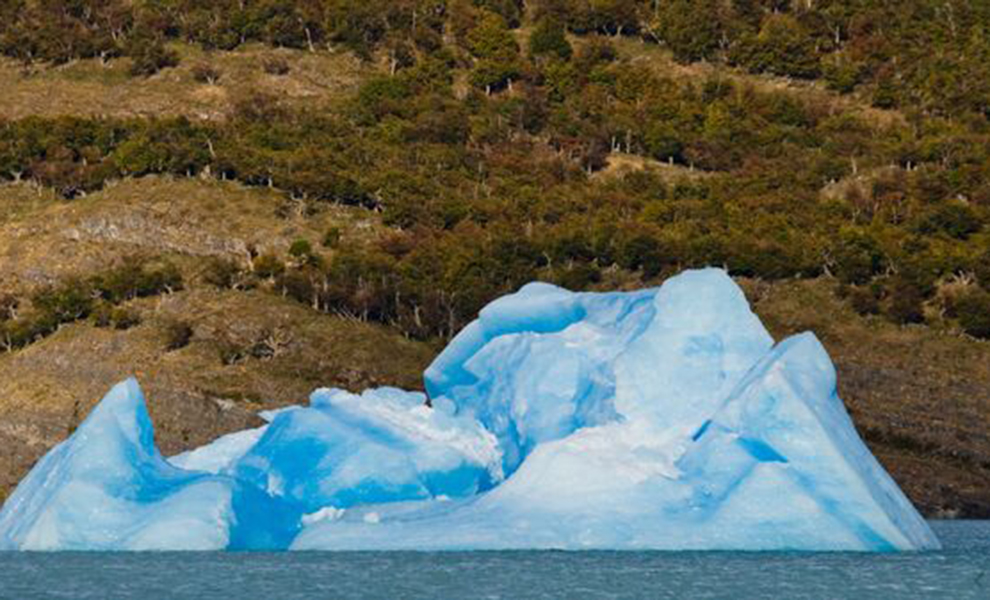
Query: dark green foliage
point(135, 279)
point(782, 47)
point(981, 268)
point(168, 146)
point(178, 334)
point(951, 218)
point(487, 188)
point(268, 266)
point(510, 10)
point(301, 249)
point(68, 302)
point(99, 296)
point(688, 29)
point(927, 54)
point(857, 257)
point(495, 51)
point(864, 299)
point(223, 273)
point(973, 311)
point(63, 30)
point(579, 276)
point(548, 39)
point(149, 55)
point(331, 239)
point(123, 319)
point(642, 252)
point(842, 75)
point(906, 302)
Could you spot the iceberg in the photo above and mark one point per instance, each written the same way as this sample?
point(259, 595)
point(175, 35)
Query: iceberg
point(108, 488)
point(664, 418)
point(384, 445)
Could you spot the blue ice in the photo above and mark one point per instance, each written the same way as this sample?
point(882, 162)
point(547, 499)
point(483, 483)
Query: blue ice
point(664, 418)
point(108, 488)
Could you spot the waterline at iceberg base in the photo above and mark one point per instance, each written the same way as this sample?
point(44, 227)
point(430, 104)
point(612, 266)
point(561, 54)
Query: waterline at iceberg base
point(659, 419)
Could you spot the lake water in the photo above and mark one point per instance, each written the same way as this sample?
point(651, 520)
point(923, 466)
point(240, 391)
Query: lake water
point(960, 571)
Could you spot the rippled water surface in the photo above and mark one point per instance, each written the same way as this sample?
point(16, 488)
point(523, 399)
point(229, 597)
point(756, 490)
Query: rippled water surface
point(960, 571)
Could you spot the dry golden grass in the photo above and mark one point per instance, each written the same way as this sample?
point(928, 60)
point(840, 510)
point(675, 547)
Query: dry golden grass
point(620, 164)
point(44, 239)
point(90, 88)
point(661, 60)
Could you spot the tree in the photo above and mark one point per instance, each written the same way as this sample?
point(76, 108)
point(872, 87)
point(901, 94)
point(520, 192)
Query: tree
point(689, 29)
point(548, 39)
point(496, 53)
point(782, 47)
point(149, 55)
point(615, 17)
point(906, 302)
point(973, 311)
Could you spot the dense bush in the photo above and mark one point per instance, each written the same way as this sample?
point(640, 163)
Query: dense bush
point(74, 299)
point(906, 302)
point(492, 164)
point(223, 273)
point(973, 312)
point(549, 39)
point(178, 334)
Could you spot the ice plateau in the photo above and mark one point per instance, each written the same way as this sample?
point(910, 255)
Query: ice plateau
point(664, 418)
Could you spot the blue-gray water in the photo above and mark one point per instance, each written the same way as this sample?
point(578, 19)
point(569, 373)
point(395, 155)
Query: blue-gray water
point(960, 571)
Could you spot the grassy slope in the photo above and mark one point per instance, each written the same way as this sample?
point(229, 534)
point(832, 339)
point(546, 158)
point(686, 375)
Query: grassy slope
point(920, 396)
point(89, 88)
point(42, 239)
point(46, 388)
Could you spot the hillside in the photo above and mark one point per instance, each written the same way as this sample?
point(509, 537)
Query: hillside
point(245, 201)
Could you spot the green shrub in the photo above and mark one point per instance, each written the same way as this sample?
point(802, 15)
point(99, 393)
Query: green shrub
point(223, 273)
point(178, 334)
point(981, 268)
point(579, 276)
point(137, 279)
point(906, 302)
point(300, 249)
point(973, 311)
point(857, 257)
point(103, 315)
point(331, 239)
point(688, 29)
point(268, 266)
point(782, 47)
point(864, 300)
point(548, 39)
point(123, 318)
point(149, 56)
point(954, 219)
point(70, 301)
